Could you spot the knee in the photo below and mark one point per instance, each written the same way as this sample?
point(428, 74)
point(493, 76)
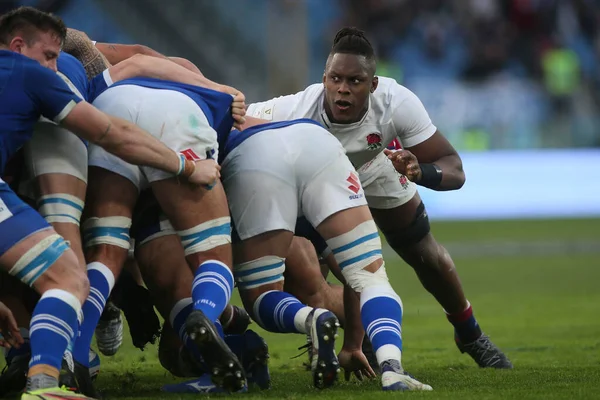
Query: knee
point(428, 254)
point(360, 279)
point(79, 284)
point(67, 277)
point(61, 208)
point(406, 239)
point(210, 238)
point(107, 239)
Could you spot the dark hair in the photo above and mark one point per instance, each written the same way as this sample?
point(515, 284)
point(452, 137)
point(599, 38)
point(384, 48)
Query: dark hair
point(352, 40)
point(28, 22)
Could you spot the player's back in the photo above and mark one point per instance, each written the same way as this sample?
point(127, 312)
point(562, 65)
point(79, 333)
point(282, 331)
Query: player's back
point(216, 106)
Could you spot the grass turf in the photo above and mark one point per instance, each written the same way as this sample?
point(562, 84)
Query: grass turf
point(542, 310)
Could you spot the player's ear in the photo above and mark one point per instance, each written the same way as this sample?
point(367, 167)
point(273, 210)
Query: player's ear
point(374, 84)
point(17, 44)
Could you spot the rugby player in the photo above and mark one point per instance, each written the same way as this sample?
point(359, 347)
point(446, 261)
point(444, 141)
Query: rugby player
point(161, 257)
point(365, 112)
point(274, 172)
point(186, 118)
point(30, 249)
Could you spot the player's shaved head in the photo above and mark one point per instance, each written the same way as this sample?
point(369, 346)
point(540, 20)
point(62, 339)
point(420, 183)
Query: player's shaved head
point(351, 40)
point(28, 23)
point(79, 45)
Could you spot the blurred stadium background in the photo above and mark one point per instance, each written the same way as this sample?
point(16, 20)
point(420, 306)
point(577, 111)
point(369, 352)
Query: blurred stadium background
point(514, 85)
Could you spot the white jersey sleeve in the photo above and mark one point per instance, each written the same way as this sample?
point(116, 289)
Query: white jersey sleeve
point(304, 104)
point(277, 109)
point(410, 119)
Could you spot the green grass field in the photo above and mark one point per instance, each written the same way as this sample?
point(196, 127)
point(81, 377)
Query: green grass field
point(542, 309)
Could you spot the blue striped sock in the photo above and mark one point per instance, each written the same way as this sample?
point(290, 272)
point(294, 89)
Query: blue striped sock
point(102, 281)
point(381, 315)
point(53, 326)
point(281, 312)
point(212, 288)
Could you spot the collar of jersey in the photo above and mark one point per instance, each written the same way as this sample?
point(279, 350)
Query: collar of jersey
point(329, 125)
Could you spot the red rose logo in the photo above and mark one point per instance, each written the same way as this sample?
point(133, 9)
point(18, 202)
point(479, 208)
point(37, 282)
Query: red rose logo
point(374, 141)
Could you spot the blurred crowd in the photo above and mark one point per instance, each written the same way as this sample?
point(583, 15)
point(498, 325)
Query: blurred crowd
point(554, 42)
point(511, 73)
point(553, 45)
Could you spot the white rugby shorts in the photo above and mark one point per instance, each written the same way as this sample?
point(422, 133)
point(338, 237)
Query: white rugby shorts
point(168, 115)
point(277, 175)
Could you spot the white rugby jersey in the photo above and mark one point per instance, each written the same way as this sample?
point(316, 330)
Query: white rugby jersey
point(394, 111)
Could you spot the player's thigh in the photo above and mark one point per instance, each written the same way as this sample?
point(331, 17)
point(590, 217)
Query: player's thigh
point(160, 254)
point(31, 251)
point(264, 209)
point(103, 166)
point(261, 202)
point(110, 194)
point(55, 150)
point(107, 216)
point(399, 218)
point(57, 163)
point(335, 189)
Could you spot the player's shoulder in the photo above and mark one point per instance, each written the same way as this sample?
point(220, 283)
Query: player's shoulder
point(66, 60)
point(308, 95)
point(18, 62)
point(391, 93)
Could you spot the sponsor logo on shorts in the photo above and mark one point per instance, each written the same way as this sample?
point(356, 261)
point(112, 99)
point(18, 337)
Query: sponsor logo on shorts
point(354, 186)
point(403, 181)
point(190, 155)
point(374, 141)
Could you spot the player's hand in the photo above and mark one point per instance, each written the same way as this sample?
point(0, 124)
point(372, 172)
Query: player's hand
point(405, 163)
point(354, 361)
point(11, 336)
point(238, 107)
point(207, 173)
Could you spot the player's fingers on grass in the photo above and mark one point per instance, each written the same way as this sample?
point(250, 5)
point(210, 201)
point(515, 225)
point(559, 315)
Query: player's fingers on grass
point(358, 375)
point(368, 372)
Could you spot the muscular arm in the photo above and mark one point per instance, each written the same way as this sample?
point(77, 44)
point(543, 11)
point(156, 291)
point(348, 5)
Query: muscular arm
point(121, 138)
point(420, 137)
point(353, 331)
point(115, 53)
point(438, 150)
point(187, 64)
point(158, 68)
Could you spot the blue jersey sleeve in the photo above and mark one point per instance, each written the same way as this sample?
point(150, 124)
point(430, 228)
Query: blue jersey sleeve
point(49, 92)
point(98, 85)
